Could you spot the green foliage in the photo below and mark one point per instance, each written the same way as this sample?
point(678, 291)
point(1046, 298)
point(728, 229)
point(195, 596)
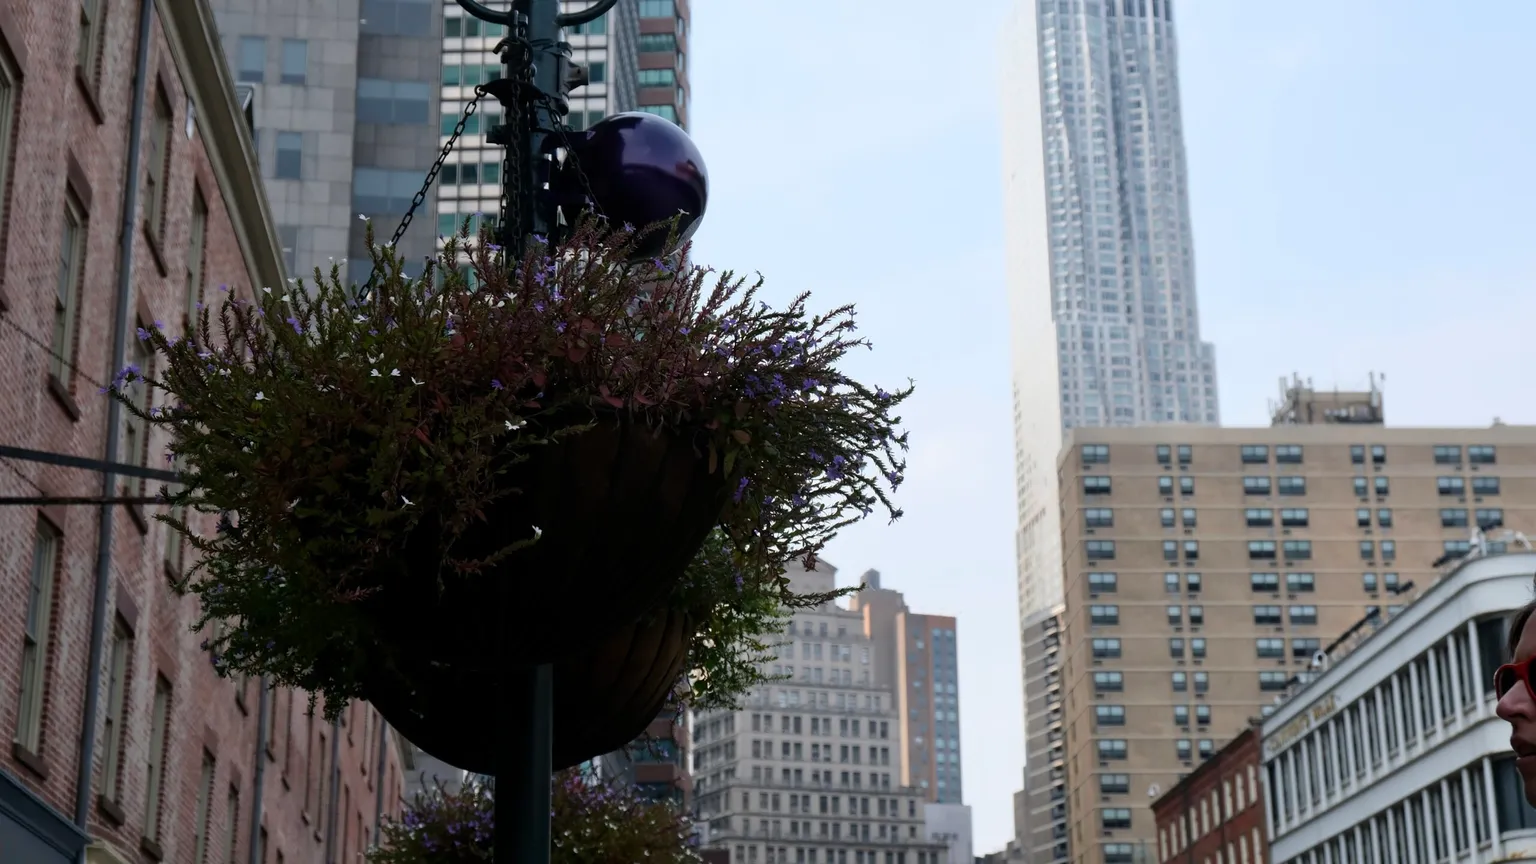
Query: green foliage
point(591, 822)
point(322, 427)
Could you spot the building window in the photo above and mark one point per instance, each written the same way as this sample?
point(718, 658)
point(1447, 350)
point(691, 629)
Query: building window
point(1109, 715)
point(290, 156)
point(1186, 485)
point(1264, 581)
point(1171, 582)
point(657, 78)
point(1482, 454)
point(1202, 682)
point(1179, 681)
point(1378, 454)
point(1165, 485)
point(203, 810)
point(1197, 615)
point(1304, 649)
point(1266, 615)
point(1170, 550)
point(1289, 454)
point(657, 9)
point(1115, 817)
point(1175, 615)
point(1261, 550)
point(1095, 454)
point(1447, 454)
point(295, 65)
point(1367, 550)
point(1256, 485)
point(1112, 784)
point(252, 68)
point(157, 165)
point(1453, 517)
point(1362, 488)
point(1369, 581)
point(414, 18)
point(1293, 485)
point(1389, 550)
point(114, 729)
point(1389, 581)
point(1181, 748)
point(1166, 513)
point(67, 296)
point(1259, 517)
point(1203, 715)
point(197, 234)
point(37, 638)
point(665, 111)
point(398, 103)
point(232, 826)
point(1193, 583)
point(1107, 682)
point(1164, 454)
point(88, 41)
point(1104, 649)
point(288, 238)
point(1303, 614)
point(1271, 680)
point(1101, 614)
point(1485, 485)
point(1384, 517)
point(1112, 748)
point(651, 42)
point(1096, 485)
point(1099, 517)
point(1176, 648)
point(1197, 644)
point(1103, 583)
point(1299, 582)
point(1207, 747)
point(1363, 517)
point(1294, 517)
point(1269, 648)
point(1297, 550)
point(1191, 550)
point(155, 764)
point(1383, 485)
point(1488, 517)
point(1255, 454)
point(1357, 454)
point(1186, 454)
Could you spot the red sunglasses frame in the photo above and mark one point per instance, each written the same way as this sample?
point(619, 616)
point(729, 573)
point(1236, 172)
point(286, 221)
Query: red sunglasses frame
point(1523, 672)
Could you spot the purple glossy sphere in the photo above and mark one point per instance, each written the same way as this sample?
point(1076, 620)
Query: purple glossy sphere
point(639, 169)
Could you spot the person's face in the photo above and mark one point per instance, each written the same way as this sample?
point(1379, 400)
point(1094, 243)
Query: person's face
point(1518, 707)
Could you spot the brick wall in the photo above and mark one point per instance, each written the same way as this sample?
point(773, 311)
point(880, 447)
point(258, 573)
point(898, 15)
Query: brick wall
point(70, 138)
point(1218, 810)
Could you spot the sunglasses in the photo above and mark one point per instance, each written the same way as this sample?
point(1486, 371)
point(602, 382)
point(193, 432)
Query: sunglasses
point(1507, 676)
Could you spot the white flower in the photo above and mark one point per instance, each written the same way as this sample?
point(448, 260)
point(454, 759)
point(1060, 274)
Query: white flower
point(360, 319)
point(537, 532)
point(417, 383)
point(375, 374)
point(266, 290)
point(260, 396)
point(292, 280)
point(394, 373)
point(406, 500)
point(520, 424)
point(362, 217)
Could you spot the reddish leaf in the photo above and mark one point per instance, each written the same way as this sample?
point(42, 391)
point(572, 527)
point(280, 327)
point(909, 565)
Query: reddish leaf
point(742, 436)
point(421, 436)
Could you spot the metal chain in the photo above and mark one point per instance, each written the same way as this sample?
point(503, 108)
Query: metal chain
point(421, 194)
point(564, 131)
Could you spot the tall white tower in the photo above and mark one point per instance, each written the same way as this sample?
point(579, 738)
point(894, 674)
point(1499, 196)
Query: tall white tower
point(1100, 253)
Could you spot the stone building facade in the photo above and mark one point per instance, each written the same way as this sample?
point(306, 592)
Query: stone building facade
point(173, 754)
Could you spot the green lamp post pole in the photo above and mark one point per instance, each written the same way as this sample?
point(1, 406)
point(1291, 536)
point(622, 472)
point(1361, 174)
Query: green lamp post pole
point(538, 76)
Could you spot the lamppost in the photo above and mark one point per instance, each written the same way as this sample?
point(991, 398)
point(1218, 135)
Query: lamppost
point(631, 169)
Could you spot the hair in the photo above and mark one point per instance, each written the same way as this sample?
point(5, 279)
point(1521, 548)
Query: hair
point(1517, 623)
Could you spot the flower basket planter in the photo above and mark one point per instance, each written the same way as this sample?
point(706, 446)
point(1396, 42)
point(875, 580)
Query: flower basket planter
point(603, 699)
point(620, 510)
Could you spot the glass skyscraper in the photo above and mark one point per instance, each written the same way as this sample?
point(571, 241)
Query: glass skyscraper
point(1101, 257)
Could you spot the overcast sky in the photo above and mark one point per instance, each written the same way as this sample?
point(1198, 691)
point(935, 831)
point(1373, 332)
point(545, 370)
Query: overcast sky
point(1362, 196)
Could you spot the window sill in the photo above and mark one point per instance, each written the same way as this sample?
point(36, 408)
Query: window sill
point(112, 810)
point(151, 849)
point(89, 92)
point(29, 760)
point(154, 248)
point(60, 394)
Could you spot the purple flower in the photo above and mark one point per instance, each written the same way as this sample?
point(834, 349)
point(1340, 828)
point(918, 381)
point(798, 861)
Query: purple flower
point(294, 323)
point(159, 325)
point(143, 334)
point(741, 489)
point(496, 384)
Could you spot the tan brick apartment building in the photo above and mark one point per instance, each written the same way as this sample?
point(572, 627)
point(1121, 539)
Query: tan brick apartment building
point(1205, 566)
point(175, 750)
point(1217, 812)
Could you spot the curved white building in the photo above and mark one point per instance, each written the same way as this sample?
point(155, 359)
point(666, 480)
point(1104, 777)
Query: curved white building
point(1394, 754)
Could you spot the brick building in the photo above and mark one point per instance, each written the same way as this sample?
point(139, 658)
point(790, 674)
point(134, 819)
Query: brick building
point(1216, 813)
point(172, 753)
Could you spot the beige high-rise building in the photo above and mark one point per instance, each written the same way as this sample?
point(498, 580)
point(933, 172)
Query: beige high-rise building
point(916, 660)
point(1205, 567)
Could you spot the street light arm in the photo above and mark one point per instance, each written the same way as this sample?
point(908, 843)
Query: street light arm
point(485, 13)
point(591, 13)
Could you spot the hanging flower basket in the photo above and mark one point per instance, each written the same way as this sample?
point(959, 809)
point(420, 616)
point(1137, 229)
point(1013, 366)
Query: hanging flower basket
point(603, 699)
point(564, 429)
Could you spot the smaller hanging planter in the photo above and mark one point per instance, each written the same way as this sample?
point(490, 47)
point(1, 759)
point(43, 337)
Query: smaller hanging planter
point(602, 699)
